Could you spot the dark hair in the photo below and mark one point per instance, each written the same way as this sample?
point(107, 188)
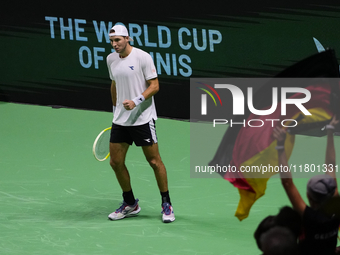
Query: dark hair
point(279, 241)
point(287, 217)
point(266, 224)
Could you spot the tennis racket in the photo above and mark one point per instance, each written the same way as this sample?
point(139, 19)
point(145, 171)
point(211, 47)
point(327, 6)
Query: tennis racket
point(101, 146)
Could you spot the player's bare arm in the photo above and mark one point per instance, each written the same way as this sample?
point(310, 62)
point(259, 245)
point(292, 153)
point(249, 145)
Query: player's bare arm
point(113, 93)
point(152, 89)
point(286, 177)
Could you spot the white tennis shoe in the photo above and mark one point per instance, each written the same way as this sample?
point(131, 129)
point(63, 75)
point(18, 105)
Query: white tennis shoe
point(167, 213)
point(125, 210)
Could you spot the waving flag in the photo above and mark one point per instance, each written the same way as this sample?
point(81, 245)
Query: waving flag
point(244, 146)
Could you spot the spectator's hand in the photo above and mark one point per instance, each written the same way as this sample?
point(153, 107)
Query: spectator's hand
point(334, 121)
point(280, 135)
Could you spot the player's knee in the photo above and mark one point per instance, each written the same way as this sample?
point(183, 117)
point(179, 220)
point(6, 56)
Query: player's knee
point(154, 162)
point(115, 164)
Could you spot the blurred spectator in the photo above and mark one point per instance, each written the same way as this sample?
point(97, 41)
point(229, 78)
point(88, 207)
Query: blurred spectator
point(286, 217)
point(279, 241)
point(319, 231)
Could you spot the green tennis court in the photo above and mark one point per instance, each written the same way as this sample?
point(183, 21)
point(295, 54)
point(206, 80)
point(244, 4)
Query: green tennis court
point(55, 197)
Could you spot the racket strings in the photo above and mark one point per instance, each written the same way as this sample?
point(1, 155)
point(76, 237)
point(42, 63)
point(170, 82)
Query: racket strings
point(102, 146)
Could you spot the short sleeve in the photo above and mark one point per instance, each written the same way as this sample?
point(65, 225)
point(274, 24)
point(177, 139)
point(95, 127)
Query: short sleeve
point(148, 67)
point(109, 62)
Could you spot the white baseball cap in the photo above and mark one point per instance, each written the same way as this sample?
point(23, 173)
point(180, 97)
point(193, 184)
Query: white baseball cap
point(119, 30)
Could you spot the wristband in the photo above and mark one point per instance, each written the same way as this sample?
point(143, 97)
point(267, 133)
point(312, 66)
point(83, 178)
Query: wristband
point(113, 108)
point(138, 100)
point(329, 127)
point(279, 147)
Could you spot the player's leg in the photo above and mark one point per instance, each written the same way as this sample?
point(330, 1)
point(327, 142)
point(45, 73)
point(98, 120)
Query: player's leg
point(119, 145)
point(145, 136)
point(117, 161)
point(152, 155)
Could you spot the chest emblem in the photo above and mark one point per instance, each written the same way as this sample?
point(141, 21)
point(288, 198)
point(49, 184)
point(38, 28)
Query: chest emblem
point(132, 67)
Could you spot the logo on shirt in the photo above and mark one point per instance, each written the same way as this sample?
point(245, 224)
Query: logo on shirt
point(131, 67)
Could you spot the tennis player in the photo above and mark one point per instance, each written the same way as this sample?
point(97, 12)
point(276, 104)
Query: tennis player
point(134, 82)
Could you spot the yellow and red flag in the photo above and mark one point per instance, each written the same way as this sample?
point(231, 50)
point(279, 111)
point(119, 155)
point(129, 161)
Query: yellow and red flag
point(244, 146)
